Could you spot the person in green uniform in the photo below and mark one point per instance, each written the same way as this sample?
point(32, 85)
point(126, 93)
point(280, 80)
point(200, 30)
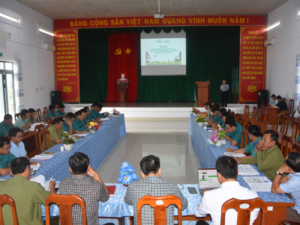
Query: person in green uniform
point(215, 118)
point(33, 116)
point(210, 111)
point(6, 125)
point(78, 124)
point(23, 122)
point(5, 156)
point(51, 112)
point(28, 195)
point(255, 138)
point(67, 125)
point(269, 157)
point(234, 133)
point(60, 110)
point(224, 116)
point(88, 118)
point(56, 132)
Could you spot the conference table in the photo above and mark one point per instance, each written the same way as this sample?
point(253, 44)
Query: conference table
point(208, 154)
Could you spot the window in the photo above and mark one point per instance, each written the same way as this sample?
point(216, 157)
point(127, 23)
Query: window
point(7, 95)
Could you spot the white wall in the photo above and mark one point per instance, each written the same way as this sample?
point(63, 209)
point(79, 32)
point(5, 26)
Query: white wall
point(281, 57)
point(25, 46)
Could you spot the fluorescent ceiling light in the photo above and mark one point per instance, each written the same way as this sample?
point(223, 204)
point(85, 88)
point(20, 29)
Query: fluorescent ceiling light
point(273, 25)
point(298, 13)
point(10, 17)
point(46, 31)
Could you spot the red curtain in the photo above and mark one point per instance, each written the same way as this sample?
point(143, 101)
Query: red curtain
point(122, 59)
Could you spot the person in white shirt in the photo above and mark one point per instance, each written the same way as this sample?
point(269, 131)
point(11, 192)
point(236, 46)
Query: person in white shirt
point(213, 200)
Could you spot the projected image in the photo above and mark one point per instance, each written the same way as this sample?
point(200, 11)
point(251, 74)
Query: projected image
point(164, 52)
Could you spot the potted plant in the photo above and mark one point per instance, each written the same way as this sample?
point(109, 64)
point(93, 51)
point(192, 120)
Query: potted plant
point(93, 127)
point(68, 141)
point(217, 136)
point(193, 110)
point(126, 174)
point(116, 113)
point(200, 120)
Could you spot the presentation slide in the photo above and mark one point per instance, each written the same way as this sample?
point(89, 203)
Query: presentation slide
point(163, 54)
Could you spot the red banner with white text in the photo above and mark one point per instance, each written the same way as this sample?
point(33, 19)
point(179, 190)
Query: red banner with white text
point(252, 62)
point(66, 65)
point(226, 20)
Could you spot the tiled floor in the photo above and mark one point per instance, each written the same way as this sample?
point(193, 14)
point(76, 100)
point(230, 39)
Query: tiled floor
point(179, 163)
point(158, 126)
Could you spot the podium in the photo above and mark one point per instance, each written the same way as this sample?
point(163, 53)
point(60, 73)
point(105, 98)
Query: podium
point(203, 93)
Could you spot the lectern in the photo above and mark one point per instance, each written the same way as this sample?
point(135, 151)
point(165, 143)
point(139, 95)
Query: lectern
point(203, 93)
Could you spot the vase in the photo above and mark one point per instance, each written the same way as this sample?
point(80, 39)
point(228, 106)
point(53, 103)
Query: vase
point(92, 131)
point(219, 143)
point(125, 185)
point(116, 116)
point(200, 124)
point(195, 114)
point(68, 147)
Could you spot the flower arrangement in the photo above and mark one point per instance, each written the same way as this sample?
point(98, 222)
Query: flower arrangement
point(93, 126)
point(116, 112)
point(194, 109)
point(68, 139)
point(126, 174)
point(200, 119)
point(119, 81)
point(217, 135)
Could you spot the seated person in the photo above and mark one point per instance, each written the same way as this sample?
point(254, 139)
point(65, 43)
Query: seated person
point(56, 132)
point(269, 157)
point(23, 122)
point(216, 117)
point(17, 147)
point(282, 107)
point(78, 124)
point(255, 138)
point(213, 200)
point(91, 188)
point(6, 125)
point(67, 125)
point(95, 111)
point(289, 184)
point(33, 116)
point(234, 132)
point(224, 116)
point(28, 195)
point(60, 110)
point(210, 111)
point(88, 118)
point(207, 109)
point(273, 100)
point(51, 112)
point(153, 185)
point(5, 156)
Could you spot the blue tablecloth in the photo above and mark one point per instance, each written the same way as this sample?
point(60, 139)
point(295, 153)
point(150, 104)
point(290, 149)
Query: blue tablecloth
point(208, 154)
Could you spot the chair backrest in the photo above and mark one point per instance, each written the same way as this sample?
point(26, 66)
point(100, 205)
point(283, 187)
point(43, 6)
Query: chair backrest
point(275, 122)
point(246, 110)
point(284, 99)
point(291, 107)
point(160, 204)
point(8, 137)
point(37, 130)
point(244, 208)
point(296, 147)
point(17, 115)
point(265, 118)
point(39, 114)
point(65, 203)
point(284, 124)
point(44, 134)
point(296, 129)
point(50, 123)
point(254, 113)
point(259, 115)
point(229, 110)
point(4, 199)
point(286, 145)
point(45, 108)
point(45, 116)
point(244, 139)
point(242, 120)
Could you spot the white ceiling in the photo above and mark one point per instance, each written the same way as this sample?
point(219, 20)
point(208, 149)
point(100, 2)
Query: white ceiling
point(69, 9)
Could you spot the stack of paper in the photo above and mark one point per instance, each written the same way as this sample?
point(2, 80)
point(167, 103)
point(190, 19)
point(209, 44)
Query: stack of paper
point(247, 170)
point(42, 156)
point(81, 135)
point(35, 167)
point(104, 119)
point(234, 154)
point(262, 184)
point(42, 181)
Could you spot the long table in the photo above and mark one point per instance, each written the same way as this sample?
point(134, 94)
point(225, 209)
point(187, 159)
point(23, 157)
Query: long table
point(208, 154)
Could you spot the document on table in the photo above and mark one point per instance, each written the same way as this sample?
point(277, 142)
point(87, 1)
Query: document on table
point(247, 170)
point(262, 184)
point(35, 167)
point(104, 119)
point(81, 135)
point(42, 156)
point(42, 181)
point(234, 154)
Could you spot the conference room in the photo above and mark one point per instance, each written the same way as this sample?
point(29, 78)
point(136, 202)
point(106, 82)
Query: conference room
point(149, 112)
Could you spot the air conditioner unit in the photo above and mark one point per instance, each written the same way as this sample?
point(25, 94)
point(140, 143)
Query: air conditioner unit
point(49, 47)
point(270, 42)
point(159, 16)
point(5, 35)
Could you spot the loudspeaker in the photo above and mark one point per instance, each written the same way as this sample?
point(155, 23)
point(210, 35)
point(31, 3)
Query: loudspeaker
point(55, 97)
point(262, 97)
